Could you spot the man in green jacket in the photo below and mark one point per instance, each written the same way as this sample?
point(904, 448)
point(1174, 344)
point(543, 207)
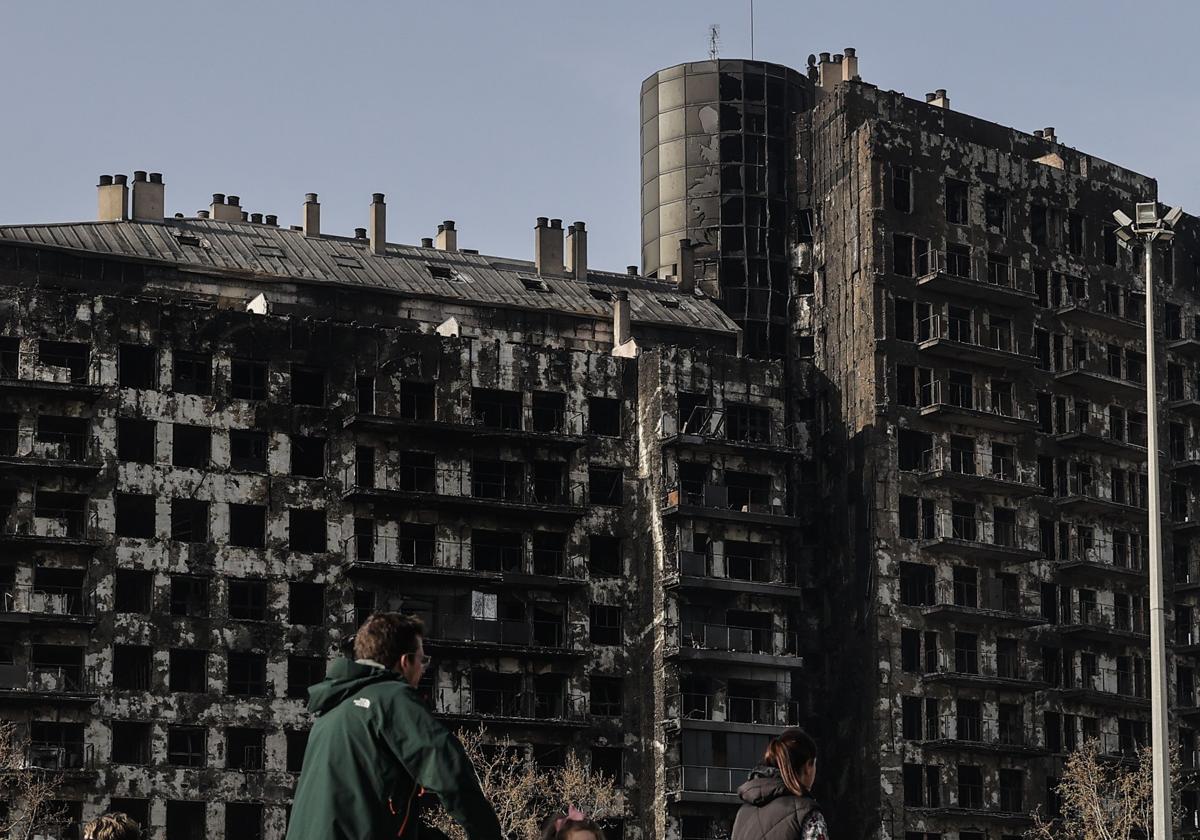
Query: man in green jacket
point(375, 746)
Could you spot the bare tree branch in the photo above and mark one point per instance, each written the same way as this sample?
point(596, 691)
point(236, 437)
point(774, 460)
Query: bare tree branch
point(29, 793)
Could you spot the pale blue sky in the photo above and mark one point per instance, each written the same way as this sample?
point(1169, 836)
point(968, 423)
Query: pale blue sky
point(493, 113)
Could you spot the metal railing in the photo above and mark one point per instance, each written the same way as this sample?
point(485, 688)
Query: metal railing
point(1096, 423)
point(967, 462)
point(998, 337)
point(67, 447)
point(711, 424)
point(29, 367)
point(963, 266)
point(1132, 683)
point(51, 679)
point(501, 631)
point(526, 418)
point(942, 392)
point(702, 779)
point(456, 555)
point(733, 566)
point(724, 497)
point(1102, 306)
point(499, 703)
point(28, 598)
point(1130, 554)
point(732, 709)
point(700, 635)
point(971, 662)
point(945, 525)
point(1132, 374)
point(1106, 617)
point(990, 595)
point(1089, 487)
point(988, 731)
point(522, 486)
point(60, 755)
point(50, 523)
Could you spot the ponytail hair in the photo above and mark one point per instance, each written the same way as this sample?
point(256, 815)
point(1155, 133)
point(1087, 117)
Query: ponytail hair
point(789, 754)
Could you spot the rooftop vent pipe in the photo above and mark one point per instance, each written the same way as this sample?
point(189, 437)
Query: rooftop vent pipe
point(311, 215)
point(577, 251)
point(378, 224)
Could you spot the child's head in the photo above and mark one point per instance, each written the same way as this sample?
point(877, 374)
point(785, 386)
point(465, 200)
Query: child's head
point(112, 826)
point(794, 754)
point(573, 825)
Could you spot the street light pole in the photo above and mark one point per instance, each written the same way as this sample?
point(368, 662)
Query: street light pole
point(1149, 228)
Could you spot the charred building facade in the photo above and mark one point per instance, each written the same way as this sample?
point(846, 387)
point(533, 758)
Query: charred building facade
point(224, 443)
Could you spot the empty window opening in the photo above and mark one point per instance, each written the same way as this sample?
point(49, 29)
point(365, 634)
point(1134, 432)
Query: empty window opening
point(247, 674)
point(61, 438)
point(71, 355)
point(189, 520)
point(748, 423)
point(191, 446)
point(304, 671)
point(306, 530)
point(247, 379)
point(364, 390)
point(244, 750)
point(608, 761)
point(604, 416)
point(549, 412)
point(496, 409)
point(189, 596)
point(604, 556)
point(497, 551)
point(133, 590)
point(607, 700)
point(186, 747)
point(416, 401)
point(995, 210)
point(248, 600)
point(247, 525)
point(549, 553)
point(549, 483)
point(192, 373)
point(130, 742)
point(502, 480)
point(306, 603)
point(308, 456)
point(248, 450)
point(186, 820)
point(605, 485)
point(137, 366)
point(135, 440)
point(308, 385)
point(135, 515)
point(956, 201)
point(297, 743)
point(131, 667)
point(605, 625)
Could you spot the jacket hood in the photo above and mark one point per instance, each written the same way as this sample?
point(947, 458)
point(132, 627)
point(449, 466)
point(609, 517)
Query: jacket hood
point(763, 786)
point(345, 678)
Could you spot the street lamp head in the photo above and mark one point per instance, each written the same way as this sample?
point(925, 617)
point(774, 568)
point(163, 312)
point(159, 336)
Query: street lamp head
point(1173, 216)
point(1121, 218)
point(1146, 213)
point(1124, 233)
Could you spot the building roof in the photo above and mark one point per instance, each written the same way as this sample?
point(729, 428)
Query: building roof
point(265, 252)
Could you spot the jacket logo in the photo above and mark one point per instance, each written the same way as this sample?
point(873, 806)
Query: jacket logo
point(362, 702)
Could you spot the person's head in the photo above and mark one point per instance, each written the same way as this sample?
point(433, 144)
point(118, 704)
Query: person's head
point(112, 826)
point(394, 641)
point(573, 825)
point(794, 755)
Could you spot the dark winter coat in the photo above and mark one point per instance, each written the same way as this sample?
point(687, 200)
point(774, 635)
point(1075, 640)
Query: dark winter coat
point(771, 811)
point(373, 746)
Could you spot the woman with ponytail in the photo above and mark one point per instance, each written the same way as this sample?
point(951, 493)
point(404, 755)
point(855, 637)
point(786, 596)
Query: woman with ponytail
point(777, 804)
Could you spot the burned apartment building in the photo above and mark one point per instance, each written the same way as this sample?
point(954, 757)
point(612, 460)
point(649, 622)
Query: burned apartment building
point(978, 342)
point(225, 442)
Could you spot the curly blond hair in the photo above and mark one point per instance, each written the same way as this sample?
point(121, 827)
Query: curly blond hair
point(112, 826)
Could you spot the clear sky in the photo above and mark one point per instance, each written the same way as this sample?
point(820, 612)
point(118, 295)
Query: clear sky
point(493, 113)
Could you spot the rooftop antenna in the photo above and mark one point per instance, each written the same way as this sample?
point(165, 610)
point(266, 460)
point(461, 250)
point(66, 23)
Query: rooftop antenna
point(714, 41)
point(751, 30)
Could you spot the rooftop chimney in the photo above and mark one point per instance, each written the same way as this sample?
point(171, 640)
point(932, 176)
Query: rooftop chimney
point(447, 236)
point(201, 214)
point(685, 266)
point(1048, 133)
point(378, 224)
point(548, 246)
point(113, 198)
point(360, 233)
point(148, 198)
point(850, 65)
point(623, 343)
point(426, 241)
point(631, 270)
point(226, 209)
point(829, 73)
point(312, 215)
point(577, 251)
point(271, 219)
point(256, 218)
point(938, 99)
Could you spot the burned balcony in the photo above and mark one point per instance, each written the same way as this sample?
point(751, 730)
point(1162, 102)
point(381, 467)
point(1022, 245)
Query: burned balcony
point(967, 732)
point(1117, 687)
point(1083, 494)
point(968, 666)
point(1106, 314)
point(737, 712)
point(58, 368)
point(489, 485)
point(59, 445)
point(734, 427)
point(1113, 377)
point(996, 344)
point(1182, 398)
point(702, 783)
point(957, 400)
point(60, 747)
point(1105, 622)
point(1114, 432)
point(733, 643)
point(989, 603)
point(965, 801)
point(542, 632)
point(47, 682)
point(57, 599)
point(745, 497)
point(60, 520)
point(1088, 556)
point(975, 538)
point(737, 567)
point(548, 705)
point(976, 472)
point(954, 272)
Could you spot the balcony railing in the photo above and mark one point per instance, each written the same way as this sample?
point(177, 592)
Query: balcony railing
point(755, 710)
point(1096, 424)
point(997, 403)
point(54, 601)
point(1127, 555)
point(521, 487)
point(722, 497)
point(29, 368)
point(518, 632)
point(57, 447)
point(984, 337)
point(947, 526)
point(1089, 488)
point(525, 419)
point(450, 555)
point(499, 703)
point(699, 635)
point(60, 755)
point(992, 273)
point(970, 464)
point(973, 664)
point(985, 731)
point(1108, 617)
point(711, 424)
point(989, 596)
point(702, 779)
point(50, 523)
point(1117, 683)
point(48, 679)
point(733, 566)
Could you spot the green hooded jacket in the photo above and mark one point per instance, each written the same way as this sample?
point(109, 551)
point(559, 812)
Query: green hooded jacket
point(372, 748)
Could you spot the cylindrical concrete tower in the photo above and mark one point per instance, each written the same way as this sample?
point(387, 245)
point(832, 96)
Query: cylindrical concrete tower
point(717, 140)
